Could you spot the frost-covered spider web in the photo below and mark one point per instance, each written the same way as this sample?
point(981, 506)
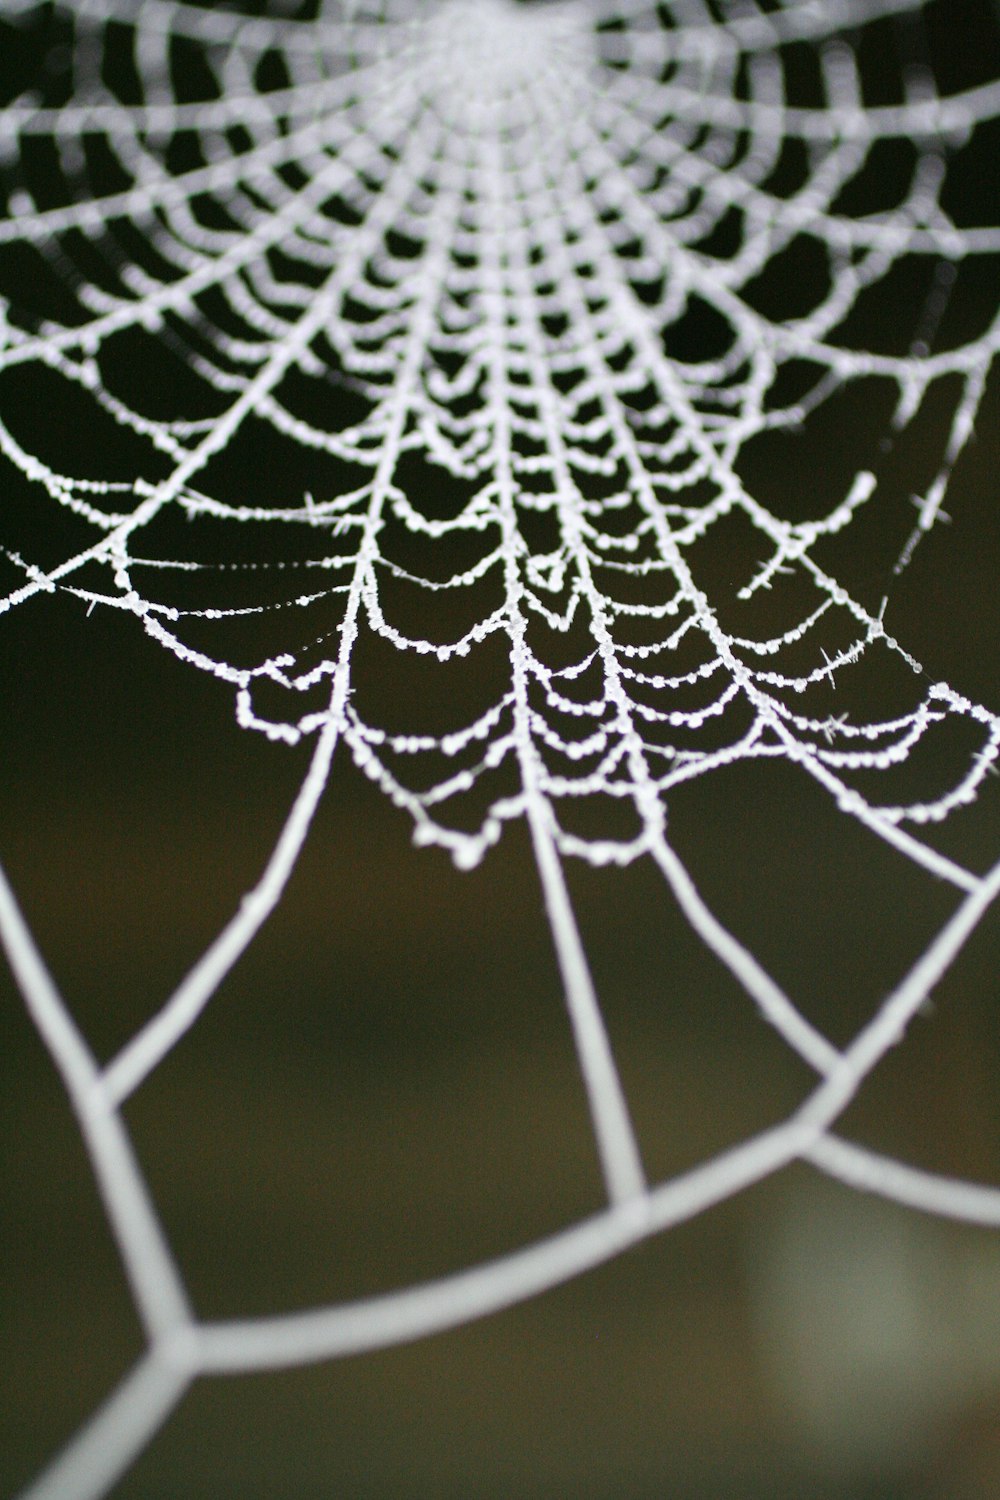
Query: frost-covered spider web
point(534, 294)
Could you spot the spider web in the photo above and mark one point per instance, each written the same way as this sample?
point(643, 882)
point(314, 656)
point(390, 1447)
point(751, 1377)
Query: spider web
point(535, 292)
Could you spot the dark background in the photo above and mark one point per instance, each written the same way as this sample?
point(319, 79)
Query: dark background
point(384, 1090)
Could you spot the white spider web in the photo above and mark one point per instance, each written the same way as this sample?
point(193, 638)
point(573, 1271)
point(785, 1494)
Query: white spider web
point(533, 288)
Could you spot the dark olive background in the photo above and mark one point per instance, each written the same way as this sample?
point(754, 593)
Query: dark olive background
point(385, 1089)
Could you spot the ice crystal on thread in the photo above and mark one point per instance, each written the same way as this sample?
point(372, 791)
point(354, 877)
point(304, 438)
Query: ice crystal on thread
point(521, 288)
